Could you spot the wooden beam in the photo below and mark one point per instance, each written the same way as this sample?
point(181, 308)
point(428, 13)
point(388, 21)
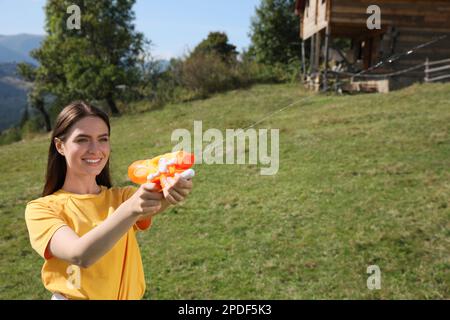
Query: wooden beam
point(303, 61)
point(325, 74)
point(317, 51)
point(312, 55)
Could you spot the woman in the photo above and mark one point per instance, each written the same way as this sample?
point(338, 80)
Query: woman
point(82, 226)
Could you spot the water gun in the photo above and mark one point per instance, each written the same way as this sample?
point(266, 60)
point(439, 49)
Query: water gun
point(163, 166)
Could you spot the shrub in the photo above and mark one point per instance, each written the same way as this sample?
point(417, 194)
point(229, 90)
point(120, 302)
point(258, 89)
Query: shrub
point(254, 72)
point(208, 73)
point(10, 135)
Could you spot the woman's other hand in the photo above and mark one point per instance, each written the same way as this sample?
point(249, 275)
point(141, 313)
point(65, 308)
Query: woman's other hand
point(177, 189)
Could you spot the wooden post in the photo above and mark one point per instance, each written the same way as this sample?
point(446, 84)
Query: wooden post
point(427, 68)
point(317, 62)
point(312, 55)
point(325, 74)
point(303, 61)
point(317, 51)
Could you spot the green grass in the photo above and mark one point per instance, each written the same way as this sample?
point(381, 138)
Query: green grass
point(363, 180)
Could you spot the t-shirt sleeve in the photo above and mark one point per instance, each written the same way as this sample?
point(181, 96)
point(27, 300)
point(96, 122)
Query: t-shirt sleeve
point(139, 225)
point(42, 220)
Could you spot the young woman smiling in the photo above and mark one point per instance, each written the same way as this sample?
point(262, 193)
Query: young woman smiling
point(82, 226)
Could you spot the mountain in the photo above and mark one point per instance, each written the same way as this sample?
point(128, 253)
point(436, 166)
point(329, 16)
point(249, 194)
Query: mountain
point(8, 69)
point(13, 90)
point(16, 48)
point(8, 55)
point(163, 64)
point(13, 96)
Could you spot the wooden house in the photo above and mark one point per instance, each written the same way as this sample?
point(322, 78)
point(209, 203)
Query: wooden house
point(405, 26)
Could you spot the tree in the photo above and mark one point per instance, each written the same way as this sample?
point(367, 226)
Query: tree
point(217, 43)
point(275, 32)
point(150, 72)
point(93, 61)
point(211, 67)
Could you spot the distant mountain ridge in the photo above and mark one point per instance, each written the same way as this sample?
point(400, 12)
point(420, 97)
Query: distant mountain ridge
point(13, 96)
point(13, 91)
point(16, 48)
point(8, 55)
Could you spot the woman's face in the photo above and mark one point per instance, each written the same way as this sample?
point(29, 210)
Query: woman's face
point(86, 148)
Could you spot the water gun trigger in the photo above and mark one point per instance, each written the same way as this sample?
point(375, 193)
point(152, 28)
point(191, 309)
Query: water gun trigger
point(188, 174)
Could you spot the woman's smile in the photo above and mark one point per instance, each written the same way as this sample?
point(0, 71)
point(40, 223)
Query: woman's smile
point(93, 162)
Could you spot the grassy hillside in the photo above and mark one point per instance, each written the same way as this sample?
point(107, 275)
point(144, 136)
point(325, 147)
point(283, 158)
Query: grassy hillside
point(363, 180)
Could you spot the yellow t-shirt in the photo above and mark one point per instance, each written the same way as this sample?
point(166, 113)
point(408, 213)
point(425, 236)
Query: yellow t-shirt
point(117, 275)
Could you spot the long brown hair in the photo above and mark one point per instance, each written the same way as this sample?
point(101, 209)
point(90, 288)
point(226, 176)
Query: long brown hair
point(56, 165)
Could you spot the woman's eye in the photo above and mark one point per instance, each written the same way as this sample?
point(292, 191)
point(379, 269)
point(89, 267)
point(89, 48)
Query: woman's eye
point(85, 140)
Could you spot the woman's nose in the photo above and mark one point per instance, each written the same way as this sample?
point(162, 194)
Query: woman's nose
point(94, 146)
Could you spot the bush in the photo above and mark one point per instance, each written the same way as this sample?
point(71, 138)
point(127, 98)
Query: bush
point(255, 72)
point(159, 84)
point(33, 126)
point(208, 73)
point(201, 74)
point(10, 135)
point(167, 90)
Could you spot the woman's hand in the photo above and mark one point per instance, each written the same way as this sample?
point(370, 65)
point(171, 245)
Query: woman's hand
point(146, 201)
point(177, 189)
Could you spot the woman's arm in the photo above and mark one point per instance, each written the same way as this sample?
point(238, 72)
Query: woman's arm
point(86, 250)
point(144, 204)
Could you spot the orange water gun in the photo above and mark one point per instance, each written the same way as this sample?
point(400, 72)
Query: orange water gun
point(163, 166)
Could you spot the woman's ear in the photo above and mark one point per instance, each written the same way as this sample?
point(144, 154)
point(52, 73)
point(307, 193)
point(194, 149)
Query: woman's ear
point(59, 146)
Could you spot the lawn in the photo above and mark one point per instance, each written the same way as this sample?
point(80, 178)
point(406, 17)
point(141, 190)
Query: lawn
point(363, 180)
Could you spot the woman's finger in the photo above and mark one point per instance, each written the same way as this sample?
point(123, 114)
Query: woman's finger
point(151, 203)
point(176, 195)
point(152, 196)
point(149, 186)
point(170, 199)
point(183, 183)
point(182, 191)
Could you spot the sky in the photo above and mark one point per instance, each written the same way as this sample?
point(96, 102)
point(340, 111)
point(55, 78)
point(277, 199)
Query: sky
point(174, 27)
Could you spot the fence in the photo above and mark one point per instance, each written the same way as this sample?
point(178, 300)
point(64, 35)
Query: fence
point(434, 70)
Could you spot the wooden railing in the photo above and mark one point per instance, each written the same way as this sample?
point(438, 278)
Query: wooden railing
point(437, 70)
